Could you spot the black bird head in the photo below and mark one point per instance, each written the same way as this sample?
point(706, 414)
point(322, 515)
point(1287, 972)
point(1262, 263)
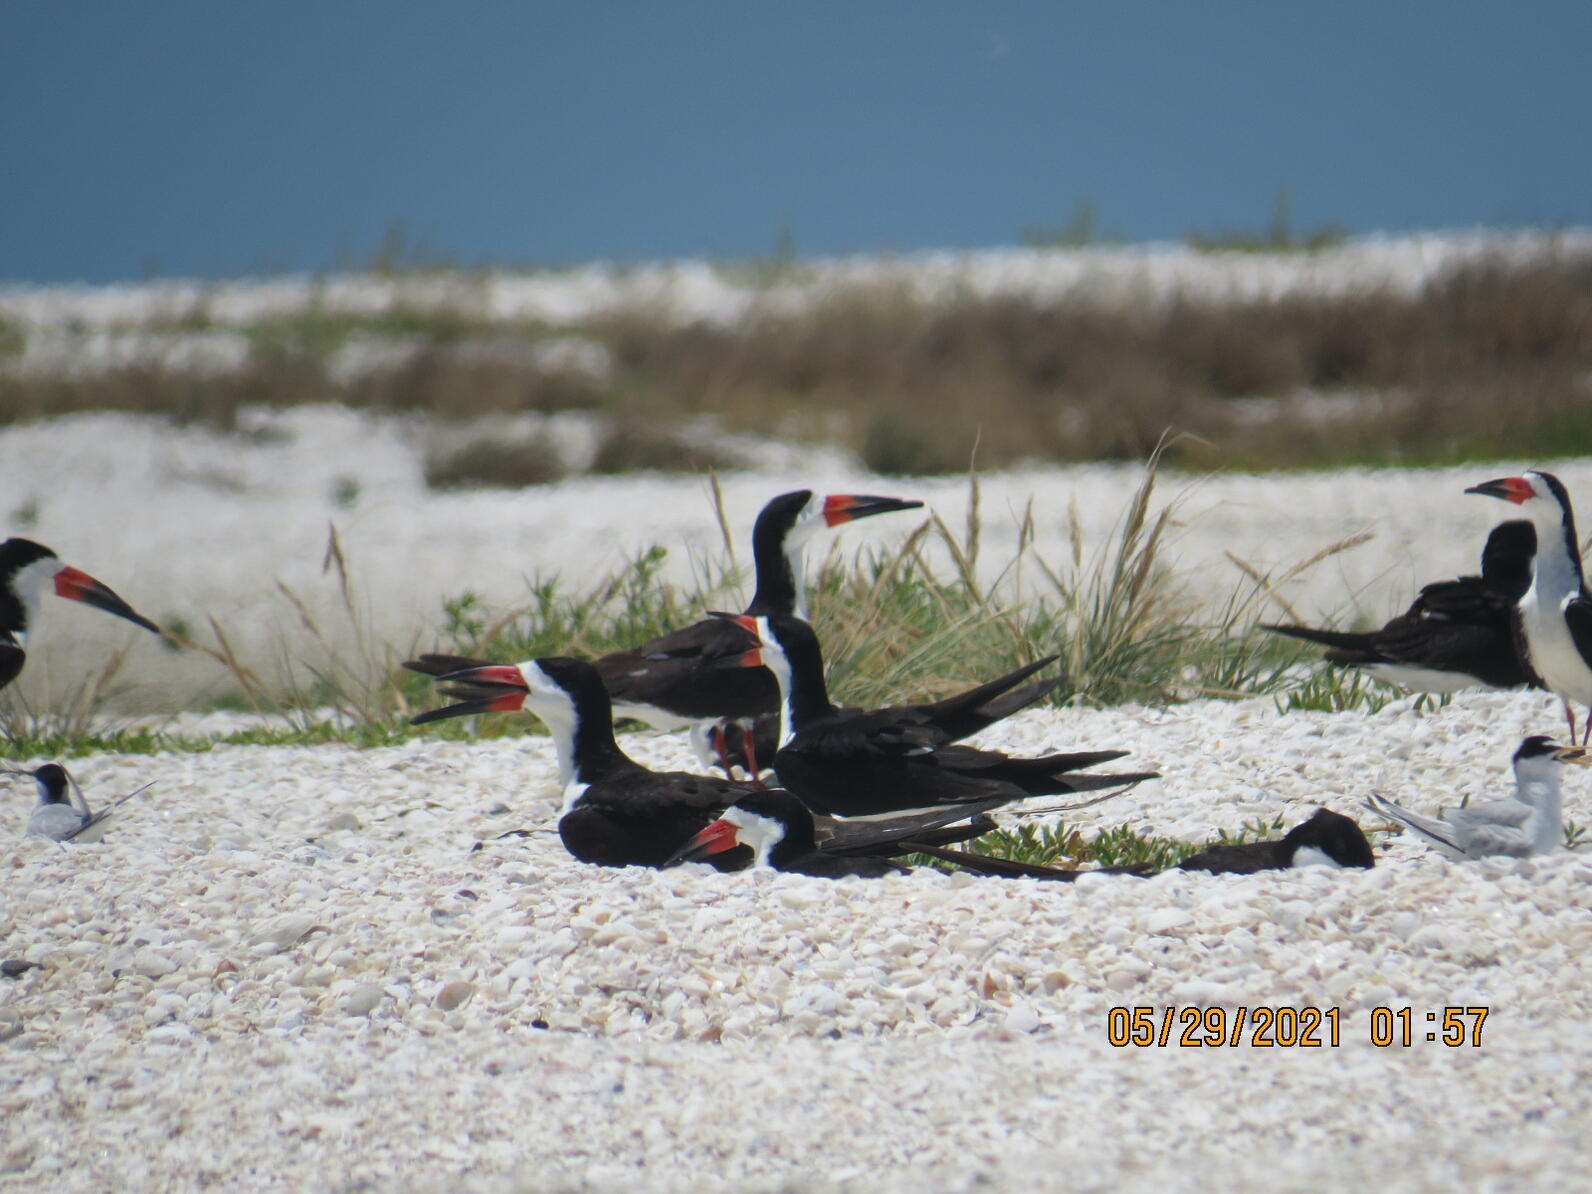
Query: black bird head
point(25, 567)
point(775, 824)
point(784, 526)
point(1336, 836)
point(53, 782)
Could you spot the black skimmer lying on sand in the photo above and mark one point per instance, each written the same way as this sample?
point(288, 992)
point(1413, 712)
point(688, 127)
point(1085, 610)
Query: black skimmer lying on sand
point(674, 681)
point(880, 762)
point(1530, 822)
point(1554, 616)
point(783, 834)
point(1325, 839)
point(25, 568)
point(617, 812)
point(62, 813)
point(1457, 634)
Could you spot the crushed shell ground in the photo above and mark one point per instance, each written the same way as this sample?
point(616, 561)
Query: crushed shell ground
point(289, 969)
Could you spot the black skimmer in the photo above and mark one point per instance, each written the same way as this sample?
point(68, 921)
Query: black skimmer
point(1553, 618)
point(784, 835)
point(1457, 634)
point(617, 812)
point(25, 568)
point(881, 762)
point(62, 813)
point(1531, 822)
point(674, 682)
point(1325, 839)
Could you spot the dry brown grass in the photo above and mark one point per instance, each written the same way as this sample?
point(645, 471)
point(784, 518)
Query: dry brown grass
point(1489, 360)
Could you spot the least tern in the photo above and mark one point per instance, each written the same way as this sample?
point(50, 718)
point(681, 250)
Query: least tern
point(1529, 823)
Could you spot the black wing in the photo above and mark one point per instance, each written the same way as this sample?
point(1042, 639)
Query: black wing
point(12, 657)
point(642, 818)
point(872, 837)
point(1578, 616)
point(1244, 858)
point(690, 673)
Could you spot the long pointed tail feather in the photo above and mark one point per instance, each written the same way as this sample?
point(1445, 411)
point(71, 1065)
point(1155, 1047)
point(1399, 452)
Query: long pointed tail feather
point(970, 702)
point(1342, 639)
point(1437, 832)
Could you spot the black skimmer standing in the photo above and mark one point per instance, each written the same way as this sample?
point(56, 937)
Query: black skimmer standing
point(1531, 822)
point(62, 813)
point(1325, 839)
point(1553, 618)
point(881, 762)
point(617, 812)
point(1457, 634)
point(25, 568)
point(674, 682)
point(784, 836)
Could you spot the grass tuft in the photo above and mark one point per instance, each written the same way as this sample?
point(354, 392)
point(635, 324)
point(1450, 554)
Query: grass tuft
point(491, 463)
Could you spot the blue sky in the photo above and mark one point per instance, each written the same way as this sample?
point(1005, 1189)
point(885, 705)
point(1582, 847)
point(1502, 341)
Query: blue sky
point(216, 139)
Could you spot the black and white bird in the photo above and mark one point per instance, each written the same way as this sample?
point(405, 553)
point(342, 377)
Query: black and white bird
point(1553, 618)
point(1530, 822)
point(881, 762)
point(784, 835)
point(674, 681)
point(1456, 634)
point(615, 811)
point(26, 568)
point(62, 813)
point(1326, 838)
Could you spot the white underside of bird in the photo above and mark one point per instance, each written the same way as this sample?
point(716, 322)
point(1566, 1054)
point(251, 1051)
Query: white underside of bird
point(1549, 646)
point(1421, 679)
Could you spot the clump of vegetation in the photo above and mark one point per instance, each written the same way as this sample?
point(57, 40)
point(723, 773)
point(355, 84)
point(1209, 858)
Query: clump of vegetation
point(895, 445)
point(495, 463)
point(1060, 845)
point(1278, 236)
point(635, 445)
point(1081, 230)
point(1338, 690)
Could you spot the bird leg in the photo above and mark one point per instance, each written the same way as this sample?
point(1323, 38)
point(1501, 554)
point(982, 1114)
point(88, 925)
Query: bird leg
point(1569, 716)
point(749, 750)
point(722, 749)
